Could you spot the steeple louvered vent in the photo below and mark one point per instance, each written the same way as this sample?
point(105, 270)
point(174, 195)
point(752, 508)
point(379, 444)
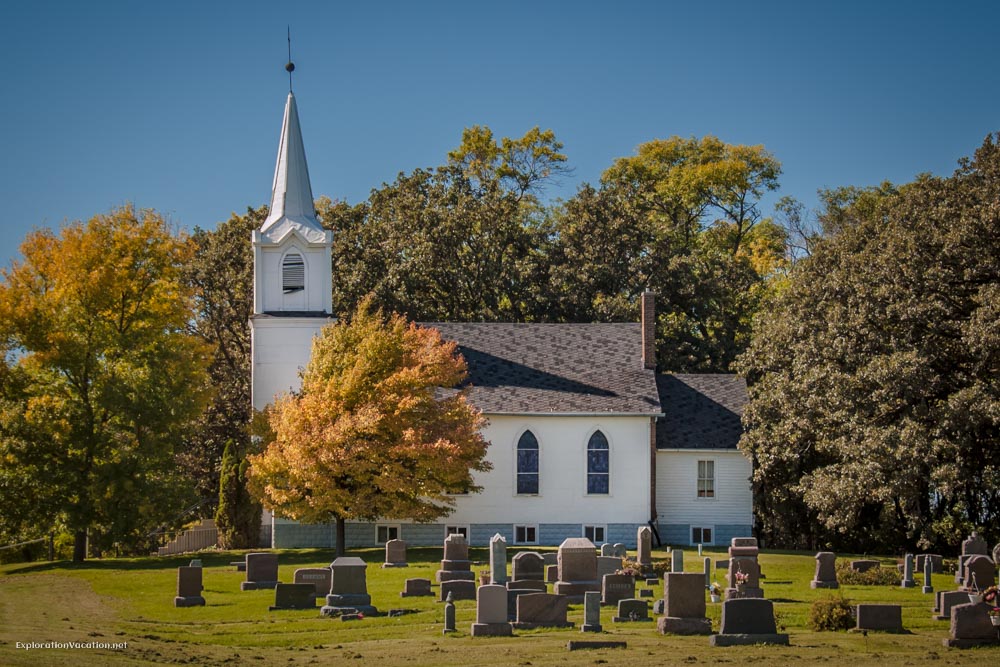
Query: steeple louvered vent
point(293, 273)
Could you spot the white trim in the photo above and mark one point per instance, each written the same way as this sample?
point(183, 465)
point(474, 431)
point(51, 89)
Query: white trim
point(697, 478)
point(602, 526)
point(532, 526)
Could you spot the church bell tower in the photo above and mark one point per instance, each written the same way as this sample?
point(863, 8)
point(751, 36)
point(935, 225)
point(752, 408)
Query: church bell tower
point(292, 277)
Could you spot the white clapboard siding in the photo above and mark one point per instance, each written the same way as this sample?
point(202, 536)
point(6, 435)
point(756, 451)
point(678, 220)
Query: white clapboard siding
point(562, 497)
point(677, 501)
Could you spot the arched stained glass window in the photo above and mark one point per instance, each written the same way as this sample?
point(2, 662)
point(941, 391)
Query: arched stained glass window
point(293, 273)
point(598, 464)
point(527, 464)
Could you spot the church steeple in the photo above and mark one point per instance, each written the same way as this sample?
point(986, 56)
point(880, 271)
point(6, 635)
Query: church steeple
point(291, 194)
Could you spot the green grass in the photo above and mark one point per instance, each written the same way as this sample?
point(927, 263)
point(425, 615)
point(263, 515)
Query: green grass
point(131, 600)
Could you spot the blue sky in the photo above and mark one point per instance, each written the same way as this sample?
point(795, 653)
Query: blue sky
point(177, 105)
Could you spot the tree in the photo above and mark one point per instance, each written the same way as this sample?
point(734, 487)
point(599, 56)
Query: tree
point(238, 514)
point(874, 399)
point(100, 377)
point(221, 274)
point(368, 435)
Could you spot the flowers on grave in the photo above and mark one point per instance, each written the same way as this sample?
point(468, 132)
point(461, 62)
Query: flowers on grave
point(741, 578)
point(629, 567)
point(991, 595)
point(714, 589)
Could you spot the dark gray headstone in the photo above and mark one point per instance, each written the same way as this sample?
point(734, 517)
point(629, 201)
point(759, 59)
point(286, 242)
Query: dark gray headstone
point(979, 571)
point(971, 626)
point(632, 610)
point(748, 616)
point(885, 617)
point(459, 589)
point(262, 571)
point(416, 588)
point(863, 565)
point(592, 611)
point(527, 565)
point(684, 595)
point(541, 610)
point(617, 587)
point(319, 577)
point(294, 596)
point(189, 587)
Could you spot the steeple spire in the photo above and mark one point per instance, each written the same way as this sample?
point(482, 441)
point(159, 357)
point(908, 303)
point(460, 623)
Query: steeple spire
point(291, 195)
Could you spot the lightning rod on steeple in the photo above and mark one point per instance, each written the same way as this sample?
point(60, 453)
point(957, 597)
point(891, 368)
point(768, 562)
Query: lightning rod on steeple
point(290, 67)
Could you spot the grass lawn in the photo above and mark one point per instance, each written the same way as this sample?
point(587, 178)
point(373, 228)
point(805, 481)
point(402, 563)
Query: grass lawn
point(131, 601)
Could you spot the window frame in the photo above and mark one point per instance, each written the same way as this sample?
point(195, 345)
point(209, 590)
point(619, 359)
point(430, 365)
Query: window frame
point(526, 527)
point(603, 527)
point(388, 527)
point(709, 491)
point(284, 258)
point(703, 541)
point(587, 472)
point(538, 464)
point(462, 529)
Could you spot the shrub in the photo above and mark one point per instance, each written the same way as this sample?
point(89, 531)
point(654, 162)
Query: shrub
point(879, 576)
point(831, 614)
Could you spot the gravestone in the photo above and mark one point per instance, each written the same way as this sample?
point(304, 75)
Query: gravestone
point(395, 554)
point(262, 572)
point(195, 562)
point(541, 610)
point(974, 545)
point(498, 560)
point(979, 572)
point(708, 571)
point(551, 573)
point(294, 596)
point(617, 587)
point(458, 589)
point(676, 560)
point(577, 569)
point(644, 550)
point(722, 564)
point(591, 612)
point(607, 550)
point(826, 571)
point(928, 583)
point(937, 563)
point(619, 551)
point(863, 565)
point(416, 588)
point(948, 600)
point(491, 612)
point(971, 626)
point(608, 565)
point(348, 588)
point(449, 616)
point(527, 565)
point(512, 595)
point(550, 558)
point(684, 605)
point(751, 589)
point(189, 587)
point(747, 621)
point(456, 564)
point(528, 584)
point(631, 611)
point(319, 577)
point(960, 571)
point(884, 617)
point(744, 547)
point(907, 581)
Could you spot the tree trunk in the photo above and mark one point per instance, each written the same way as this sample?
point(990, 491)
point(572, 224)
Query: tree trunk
point(80, 546)
point(341, 524)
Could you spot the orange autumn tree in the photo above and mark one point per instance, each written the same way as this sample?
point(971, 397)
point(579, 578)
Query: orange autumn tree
point(376, 430)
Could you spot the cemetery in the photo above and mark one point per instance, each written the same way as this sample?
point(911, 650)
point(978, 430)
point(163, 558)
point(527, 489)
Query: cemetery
point(413, 615)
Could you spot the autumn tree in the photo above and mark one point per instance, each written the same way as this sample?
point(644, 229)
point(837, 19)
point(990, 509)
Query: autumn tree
point(100, 378)
point(376, 430)
point(874, 407)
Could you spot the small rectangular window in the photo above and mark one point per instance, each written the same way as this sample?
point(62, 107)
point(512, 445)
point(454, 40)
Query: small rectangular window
point(525, 534)
point(457, 530)
point(384, 533)
point(706, 479)
point(701, 535)
point(595, 534)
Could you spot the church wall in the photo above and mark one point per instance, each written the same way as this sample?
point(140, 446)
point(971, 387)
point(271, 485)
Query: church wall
point(729, 513)
point(281, 348)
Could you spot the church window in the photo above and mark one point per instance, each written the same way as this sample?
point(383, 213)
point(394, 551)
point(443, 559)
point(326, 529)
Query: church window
point(386, 532)
point(525, 534)
point(457, 530)
point(706, 479)
point(598, 464)
point(701, 535)
point(595, 533)
point(293, 273)
point(527, 464)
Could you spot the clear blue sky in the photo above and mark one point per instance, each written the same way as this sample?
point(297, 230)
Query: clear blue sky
point(177, 105)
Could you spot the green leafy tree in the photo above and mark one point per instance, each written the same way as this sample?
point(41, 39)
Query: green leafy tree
point(238, 514)
point(100, 378)
point(874, 403)
point(369, 435)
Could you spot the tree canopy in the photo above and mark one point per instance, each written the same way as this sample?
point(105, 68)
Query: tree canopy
point(99, 379)
point(375, 430)
point(875, 402)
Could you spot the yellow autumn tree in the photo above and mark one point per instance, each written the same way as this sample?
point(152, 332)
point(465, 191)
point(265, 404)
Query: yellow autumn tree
point(99, 380)
point(377, 430)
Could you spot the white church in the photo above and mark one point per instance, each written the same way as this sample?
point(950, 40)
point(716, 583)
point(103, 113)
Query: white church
point(586, 438)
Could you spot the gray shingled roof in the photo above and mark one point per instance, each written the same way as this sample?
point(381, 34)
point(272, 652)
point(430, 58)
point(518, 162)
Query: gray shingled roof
point(554, 368)
point(702, 411)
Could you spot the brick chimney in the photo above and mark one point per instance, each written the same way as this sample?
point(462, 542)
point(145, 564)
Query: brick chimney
point(648, 330)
